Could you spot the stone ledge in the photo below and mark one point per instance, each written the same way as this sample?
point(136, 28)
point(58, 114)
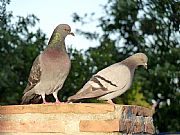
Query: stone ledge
point(56, 108)
point(74, 108)
point(76, 118)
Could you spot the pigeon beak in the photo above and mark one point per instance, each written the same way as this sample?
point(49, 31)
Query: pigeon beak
point(71, 33)
point(145, 65)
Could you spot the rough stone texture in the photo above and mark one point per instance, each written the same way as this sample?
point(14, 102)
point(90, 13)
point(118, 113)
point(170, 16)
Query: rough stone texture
point(99, 125)
point(137, 110)
point(73, 119)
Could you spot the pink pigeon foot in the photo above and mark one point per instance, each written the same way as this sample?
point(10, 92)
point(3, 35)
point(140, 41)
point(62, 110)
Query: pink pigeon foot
point(58, 102)
point(44, 100)
point(47, 102)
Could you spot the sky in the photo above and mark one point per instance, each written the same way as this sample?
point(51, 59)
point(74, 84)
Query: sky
point(54, 12)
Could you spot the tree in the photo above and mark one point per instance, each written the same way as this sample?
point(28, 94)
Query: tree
point(152, 27)
point(18, 48)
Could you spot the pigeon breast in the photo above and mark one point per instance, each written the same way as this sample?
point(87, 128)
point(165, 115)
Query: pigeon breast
point(55, 68)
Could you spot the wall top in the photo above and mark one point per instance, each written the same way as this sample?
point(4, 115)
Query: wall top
point(79, 108)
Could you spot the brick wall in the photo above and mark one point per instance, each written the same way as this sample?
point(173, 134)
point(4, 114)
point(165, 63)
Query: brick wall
point(75, 119)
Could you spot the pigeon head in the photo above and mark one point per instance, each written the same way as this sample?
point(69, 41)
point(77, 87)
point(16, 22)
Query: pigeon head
point(136, 60)
point(59, 34)
point(140, 59)
point(63, 30)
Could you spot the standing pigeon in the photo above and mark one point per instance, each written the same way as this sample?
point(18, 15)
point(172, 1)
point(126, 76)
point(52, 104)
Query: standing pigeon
point(50, 68)
point(112, 81)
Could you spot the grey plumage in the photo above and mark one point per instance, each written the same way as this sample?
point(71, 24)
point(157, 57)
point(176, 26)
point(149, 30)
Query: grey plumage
point(112, 81)
point(50, 69)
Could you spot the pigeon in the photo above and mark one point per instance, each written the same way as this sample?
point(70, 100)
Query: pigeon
point(111, 81)
point(50, 68)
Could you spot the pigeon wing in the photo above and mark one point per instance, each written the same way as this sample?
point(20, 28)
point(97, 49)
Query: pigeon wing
point(34, 76)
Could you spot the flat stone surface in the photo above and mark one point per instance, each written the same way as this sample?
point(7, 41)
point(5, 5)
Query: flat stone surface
point(57, 108)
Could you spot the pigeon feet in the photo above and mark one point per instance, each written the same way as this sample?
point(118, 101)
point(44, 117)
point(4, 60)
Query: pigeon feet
point(47, 102)
point(58, 102)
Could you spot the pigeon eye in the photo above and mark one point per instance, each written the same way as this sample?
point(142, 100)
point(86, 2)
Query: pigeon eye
point(67, 30)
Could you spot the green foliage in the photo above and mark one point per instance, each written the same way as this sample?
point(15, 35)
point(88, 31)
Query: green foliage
point(152, 27)
point(18, 48)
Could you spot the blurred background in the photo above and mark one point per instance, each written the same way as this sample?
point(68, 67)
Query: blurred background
point(107, 31)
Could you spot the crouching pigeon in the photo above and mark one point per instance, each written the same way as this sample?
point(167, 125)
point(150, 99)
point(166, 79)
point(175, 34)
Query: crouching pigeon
point(112, 81)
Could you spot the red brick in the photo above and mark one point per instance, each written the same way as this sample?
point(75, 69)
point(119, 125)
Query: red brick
point(32, 126)
point(134, 110)
point(138, 127)
point(148, 112)
point(128, 126)
point(125, 125)
point(137, 110)
point(149, 128)
point(99, 125)
point(53, 108)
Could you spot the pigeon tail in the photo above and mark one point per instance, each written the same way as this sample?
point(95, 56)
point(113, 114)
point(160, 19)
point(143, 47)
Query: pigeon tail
point(30, 97)
point(73, 98)
point(89, 92)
